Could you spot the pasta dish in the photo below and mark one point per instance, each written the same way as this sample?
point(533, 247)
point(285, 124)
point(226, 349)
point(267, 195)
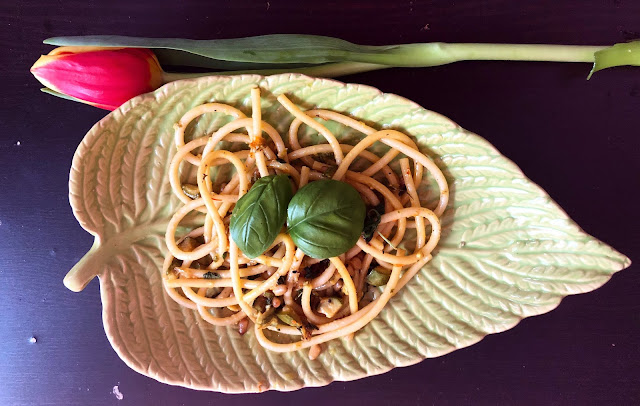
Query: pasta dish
point(302, 244)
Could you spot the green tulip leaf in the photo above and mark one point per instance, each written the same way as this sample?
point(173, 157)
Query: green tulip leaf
point(60, 95)
point(622, 54)
point(279, 49)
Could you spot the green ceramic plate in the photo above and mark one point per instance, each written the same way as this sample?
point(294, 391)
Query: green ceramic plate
point(508, 251)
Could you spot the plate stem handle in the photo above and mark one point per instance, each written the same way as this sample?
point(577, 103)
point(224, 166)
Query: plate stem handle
point(85, 270)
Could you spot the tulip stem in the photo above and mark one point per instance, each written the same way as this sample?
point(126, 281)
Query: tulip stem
point(173, 76)
point(327, 70)
point(429, 54)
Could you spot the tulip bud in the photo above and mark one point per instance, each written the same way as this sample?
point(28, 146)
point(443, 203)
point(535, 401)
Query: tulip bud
point(101, 77)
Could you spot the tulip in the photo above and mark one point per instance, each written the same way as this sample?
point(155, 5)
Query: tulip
point(97, 69)
point(101, 77)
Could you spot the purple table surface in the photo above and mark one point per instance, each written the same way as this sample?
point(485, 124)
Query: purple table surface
point(579, 140)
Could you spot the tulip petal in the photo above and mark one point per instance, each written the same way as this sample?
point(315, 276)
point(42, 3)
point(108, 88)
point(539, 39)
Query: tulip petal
point(105, 78)
point(75, 99)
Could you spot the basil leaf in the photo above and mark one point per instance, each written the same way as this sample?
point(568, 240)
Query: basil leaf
point(325, 218)
point(260, 214)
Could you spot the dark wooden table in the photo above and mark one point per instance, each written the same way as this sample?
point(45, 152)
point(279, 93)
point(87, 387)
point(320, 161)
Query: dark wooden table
point(579, 140)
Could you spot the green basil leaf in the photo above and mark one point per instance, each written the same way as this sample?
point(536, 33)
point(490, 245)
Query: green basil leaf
point(260, 214)
point(325, 218)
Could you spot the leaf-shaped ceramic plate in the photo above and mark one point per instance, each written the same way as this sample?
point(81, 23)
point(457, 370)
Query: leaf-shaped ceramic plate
point(508, 250)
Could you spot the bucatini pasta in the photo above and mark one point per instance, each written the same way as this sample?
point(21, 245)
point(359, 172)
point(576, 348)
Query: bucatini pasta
point(283, 290)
